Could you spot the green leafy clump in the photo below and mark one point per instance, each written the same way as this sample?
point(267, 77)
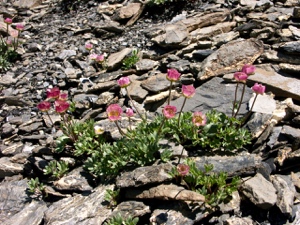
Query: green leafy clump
point(7, 55)
point(130, 61)
point(220, 132)
point(36, 188)
point(56, 169)
point(213, 186)
point(119, 220)
point(112, 197)
point(138, 148)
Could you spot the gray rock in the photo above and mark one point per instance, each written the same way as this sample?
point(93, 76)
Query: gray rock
point(233, 165)
point(76, 180)
point(239, 221)
point(264, 197)
point(114, 61)
point(285, 193)
point(296, 13)
point(82, 210)
point(232, 205)
point(27, 3)
point(214, 95)
point(145, 175)
point(7, 80)
point(13, 198)
point(130, 208)
point(66, 54)
point(34, 126)
point(263, 104)
point(183, 66)
point(105, 98)
point(276, 83)
point(292, 47)
point(136, 91)
point(8, 168)
point(32, 214)
point(289, 68)
point(224, 38)
point(127, 11)
point(220, 62)
point(170, 217)
point(280, 57)
point(156, 83)
point(146, 64)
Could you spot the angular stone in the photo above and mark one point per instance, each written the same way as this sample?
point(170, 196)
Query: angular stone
point(206, 33)
point(264, 197)
point(82, 210)
point(263, 104)
point(127, 11)
point(136, 91)
point(221, 62)
point(285, 193)
point(130, 208)
point(13, 198)
point(145, 175)
point(279, 57)
point(66, 54)
point(105, 98)
point(173, 36)
point(27, 3)
point(233, 165)
point(214, 94)
point(292, 47)
point(32, 214)
point(31, 127)
point(146, 64)
point(170, 217)
point(239, 221)
point(8, 168)
point(290, 68)
point(165, 192)
point(115, 60)
point(161, 96)
point(76, 180)
point(7, 80)
point(276, 83)
point(156, 83)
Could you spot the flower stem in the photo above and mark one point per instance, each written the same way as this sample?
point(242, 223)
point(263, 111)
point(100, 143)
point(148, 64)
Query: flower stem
point(235, 96)
point(240, 103)
point(181, 111)
point(180, 155)
point(249, 113)
point(253, 102)
point(119, 128)
point(136, 109)
point(170, 89)
point(50, 118)
point(160, 127)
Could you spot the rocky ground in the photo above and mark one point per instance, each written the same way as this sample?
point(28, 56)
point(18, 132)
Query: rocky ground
point(206, 41)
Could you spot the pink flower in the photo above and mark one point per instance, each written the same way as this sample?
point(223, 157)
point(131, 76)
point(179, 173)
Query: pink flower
point(114, 112)
point(173, 75)
point(8, 21)
point(240, 76)
point(44, 106)
point(14, 33)
point(259, 88)
point(88, 46)
point(188, 91)
point(63, 97)
point(9, 42)
point(20, 27)
point(129, 112)
point(93, 56)
point(169, 111)
point(248, 69)
point(199, 119)
point(183, 169)
point(53, 93)
point(99, 58)
point(124, 82)
point(61, 106)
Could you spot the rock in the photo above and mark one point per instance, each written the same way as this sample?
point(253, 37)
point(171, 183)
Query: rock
point(166, 192)
point(115, 60)
point(146, 65)
point(13, 198)
point(76, 180)
point(174, 35)
point(296, 13)
point(8, 168)
point(220, 62)
point(159, 97)
point(289, 68)
point(285, 194)
point(7, 80)
point(276, 83)
point(105, 98)
point(263, 104)
point(156, 83)
point(136, 91)
point(280, 57)
point(263, 198)
point(144, 175)
point(292, 47)
point(33, 214)
point(239, 221)
point(214, 95)
point(66, 54)
point(130, 208)
point(27, 3)
point(127, 11)
point(69, 210)
point(170, 217)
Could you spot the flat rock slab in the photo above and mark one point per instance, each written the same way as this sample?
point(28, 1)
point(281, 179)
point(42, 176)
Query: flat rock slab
point(230, 58)
point(32, 214)
point(79, 209)
point(279, 85)
point(214, 94)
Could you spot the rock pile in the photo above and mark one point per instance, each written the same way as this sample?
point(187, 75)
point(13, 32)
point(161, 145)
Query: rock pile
point(206, 44)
